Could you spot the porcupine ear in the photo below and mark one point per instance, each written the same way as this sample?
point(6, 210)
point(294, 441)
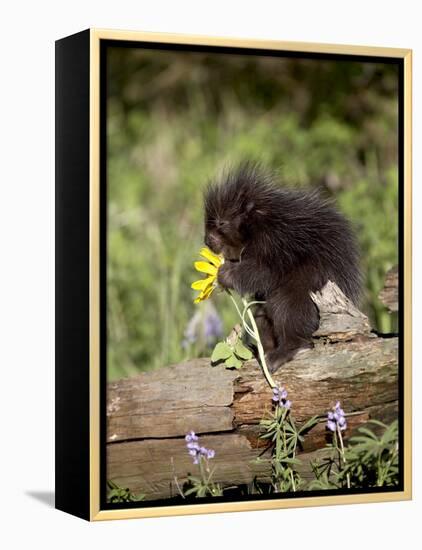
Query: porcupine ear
point(246, 213)
point(252, 210)
point(249, 207)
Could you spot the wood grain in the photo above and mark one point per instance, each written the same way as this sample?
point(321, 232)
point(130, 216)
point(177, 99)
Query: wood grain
point(148, 415)
point(389, 295)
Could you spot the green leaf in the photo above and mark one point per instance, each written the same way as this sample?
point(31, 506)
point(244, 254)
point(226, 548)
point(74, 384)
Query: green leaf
point(233, 362)
point(194, 479)
point(191, 491)
point(242, 351)
point(309, 424)
point(369, 433)
point(222, 351)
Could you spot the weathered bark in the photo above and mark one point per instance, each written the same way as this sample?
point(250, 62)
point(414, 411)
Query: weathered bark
point(389, 295)
point(339, 318)
point(149, 414)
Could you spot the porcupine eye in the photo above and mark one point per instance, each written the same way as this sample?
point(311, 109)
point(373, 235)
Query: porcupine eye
point(223, 226)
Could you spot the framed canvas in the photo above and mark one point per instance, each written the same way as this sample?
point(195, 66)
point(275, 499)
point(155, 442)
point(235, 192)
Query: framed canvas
point(233, 274)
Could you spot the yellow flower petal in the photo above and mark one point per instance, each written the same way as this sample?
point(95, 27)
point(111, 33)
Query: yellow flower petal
point(208, 291)
point(202, 283)
point(205, 267)
point(199, 298)
point(207, 285)
point(215, 259)
point(204, 295)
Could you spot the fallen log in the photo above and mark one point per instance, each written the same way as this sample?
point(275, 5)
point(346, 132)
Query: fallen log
point(389, 295)
point(148, 415)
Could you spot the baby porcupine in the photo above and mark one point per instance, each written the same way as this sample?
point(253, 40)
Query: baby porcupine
point(279, 244)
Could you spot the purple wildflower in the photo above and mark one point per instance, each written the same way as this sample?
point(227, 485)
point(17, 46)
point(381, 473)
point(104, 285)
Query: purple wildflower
point(336, 418)
point(280, 397)
point(213, 327)
point(191, 436)
point(195, 450)
point(204, 326)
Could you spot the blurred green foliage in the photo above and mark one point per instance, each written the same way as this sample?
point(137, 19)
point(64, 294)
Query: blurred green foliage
point(176, 119)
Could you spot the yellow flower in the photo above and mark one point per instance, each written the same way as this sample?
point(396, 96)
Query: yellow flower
point(210, 268)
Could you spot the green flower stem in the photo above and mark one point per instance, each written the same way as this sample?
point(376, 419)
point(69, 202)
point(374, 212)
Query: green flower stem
point(342, 454)
point(259, 346)
point(245, 324)
point(252, 330)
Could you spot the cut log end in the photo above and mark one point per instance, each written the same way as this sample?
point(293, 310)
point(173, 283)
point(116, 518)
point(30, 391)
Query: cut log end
point(339, 317)
point(389, 295)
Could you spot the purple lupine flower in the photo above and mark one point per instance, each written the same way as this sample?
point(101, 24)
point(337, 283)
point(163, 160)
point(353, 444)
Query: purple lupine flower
point(213, 327)
point(190, 332)
point(280, 397)
point(336, 418)
point(204, 326)
point(191, 436)
point(194, 449)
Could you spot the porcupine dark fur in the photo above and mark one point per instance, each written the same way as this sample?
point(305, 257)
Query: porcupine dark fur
point(279, 245)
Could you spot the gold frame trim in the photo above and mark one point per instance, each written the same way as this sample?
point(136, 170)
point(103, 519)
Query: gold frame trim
point(96, 514)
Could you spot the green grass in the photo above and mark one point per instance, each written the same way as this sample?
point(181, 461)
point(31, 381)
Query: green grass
point(165, 141)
